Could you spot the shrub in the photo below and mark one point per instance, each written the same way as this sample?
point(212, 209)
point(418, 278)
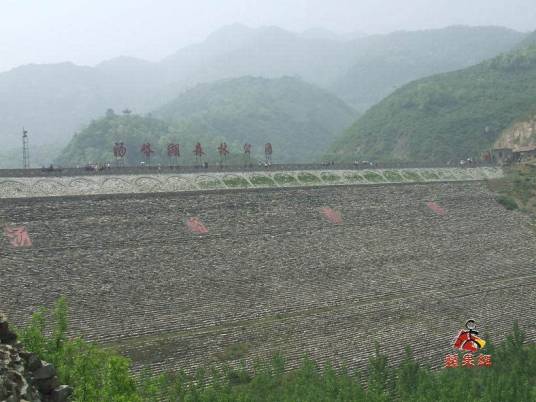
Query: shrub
point(99, 374)
point(508, 202)
point(95, 373)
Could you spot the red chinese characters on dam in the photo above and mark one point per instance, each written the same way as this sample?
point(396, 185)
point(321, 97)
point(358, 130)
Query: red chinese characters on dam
point(196, 226)
point(18, 236)
point(436, 208)
point(174, 150)
point(332, 216)
point(119, 150)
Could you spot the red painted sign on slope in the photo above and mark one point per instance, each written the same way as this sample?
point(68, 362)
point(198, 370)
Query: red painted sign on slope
point(18, 236)
point(332, 216)
point(196, 226)
point(436, 208)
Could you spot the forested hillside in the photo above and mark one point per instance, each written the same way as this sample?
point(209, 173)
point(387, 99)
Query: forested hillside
point(447, 116)
point(54, 101)
point(299, 120)
point(95, 143)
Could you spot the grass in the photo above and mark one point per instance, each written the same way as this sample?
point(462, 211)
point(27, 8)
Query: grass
point(209, 183)
point(330, 177)
point(235, 181)
point(308, 178)
point(373, 177)
point(517, 189)
point(354, 177)
point(284, 178)
point(262, 181)
point(392, 176)
point(446, 175)
point(429, 175)
point(412, 176)
point(235, 351)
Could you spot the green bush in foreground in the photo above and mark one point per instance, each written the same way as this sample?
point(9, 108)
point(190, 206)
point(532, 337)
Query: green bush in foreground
point(98, 374)
point(93, 372)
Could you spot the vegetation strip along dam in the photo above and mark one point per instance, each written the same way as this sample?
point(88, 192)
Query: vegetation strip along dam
point(182, 280)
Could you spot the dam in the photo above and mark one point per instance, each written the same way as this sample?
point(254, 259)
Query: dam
point(184, 271)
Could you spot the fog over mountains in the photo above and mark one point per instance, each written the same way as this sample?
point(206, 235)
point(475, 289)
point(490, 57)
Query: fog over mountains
point(56, 100)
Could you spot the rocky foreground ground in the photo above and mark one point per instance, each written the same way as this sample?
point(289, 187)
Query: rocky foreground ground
point(23, 376)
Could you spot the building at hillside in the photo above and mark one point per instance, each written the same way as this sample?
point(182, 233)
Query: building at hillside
point(524, 153)
point(508, 155)
point(502, 155)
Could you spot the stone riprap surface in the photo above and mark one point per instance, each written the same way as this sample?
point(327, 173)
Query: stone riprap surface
point(273, 273)
point(98, 184)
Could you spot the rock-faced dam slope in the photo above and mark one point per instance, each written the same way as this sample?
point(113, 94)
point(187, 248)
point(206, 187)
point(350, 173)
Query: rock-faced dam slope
point(182, 280)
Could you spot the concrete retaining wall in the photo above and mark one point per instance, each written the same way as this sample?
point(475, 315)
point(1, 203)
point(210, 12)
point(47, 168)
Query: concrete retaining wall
point(24, 187)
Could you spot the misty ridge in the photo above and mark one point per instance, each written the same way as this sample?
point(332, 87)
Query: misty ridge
point(54, 101)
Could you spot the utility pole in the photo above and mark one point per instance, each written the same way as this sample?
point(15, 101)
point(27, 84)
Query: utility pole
point(25, 150)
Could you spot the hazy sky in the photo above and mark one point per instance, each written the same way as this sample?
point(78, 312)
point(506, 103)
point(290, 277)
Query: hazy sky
point(89, 31)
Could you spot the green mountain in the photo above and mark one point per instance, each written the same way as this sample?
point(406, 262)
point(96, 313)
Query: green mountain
point(53, 101)
point(299, 119)
point(94, 144)
point(447, 116)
